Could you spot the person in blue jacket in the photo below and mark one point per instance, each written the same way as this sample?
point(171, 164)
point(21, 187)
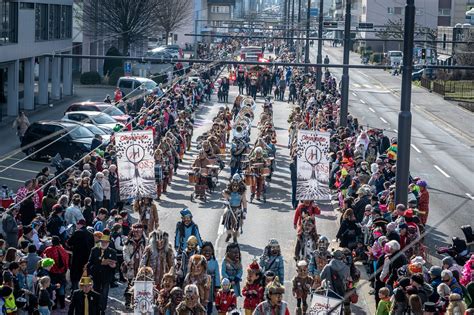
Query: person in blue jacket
point(184, 229)
point(273, 260)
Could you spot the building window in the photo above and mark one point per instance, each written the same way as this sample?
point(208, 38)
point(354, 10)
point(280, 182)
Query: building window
point(54, 22)
point(398, 10)
point(41, 21)
point(66, 22)
point(444, 12)
point(219, 9)
point(8, 23)
point(27, 5)
point(390, 10)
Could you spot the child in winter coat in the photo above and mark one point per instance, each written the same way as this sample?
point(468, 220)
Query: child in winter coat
point(226, 300)
point(253, 290)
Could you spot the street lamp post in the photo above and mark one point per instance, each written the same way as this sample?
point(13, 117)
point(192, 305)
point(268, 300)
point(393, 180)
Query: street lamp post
point(319, 58)
point(404, 117)
point(292, 21)
point(308, 16)
point(345, 71)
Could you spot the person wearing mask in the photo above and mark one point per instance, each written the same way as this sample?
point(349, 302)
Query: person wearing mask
point(184, 229)
point(80, 243)
point(58, 271)
point(101, 266)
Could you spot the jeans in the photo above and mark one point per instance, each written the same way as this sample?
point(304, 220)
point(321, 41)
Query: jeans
point(44, 310)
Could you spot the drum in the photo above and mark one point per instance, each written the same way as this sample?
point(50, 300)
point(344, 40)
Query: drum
point(265, 171)
point(192, 178)
point(249, 179)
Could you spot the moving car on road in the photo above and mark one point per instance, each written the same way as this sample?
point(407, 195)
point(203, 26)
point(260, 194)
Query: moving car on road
point(73, 145)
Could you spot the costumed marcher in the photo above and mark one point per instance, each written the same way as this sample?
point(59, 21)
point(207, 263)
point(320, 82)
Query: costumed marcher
point(190, 305)
point(273, 304)
point(237, 208)
point(158, 255)
point(167, 284)
point(197, 274)
point(85, 300)
point(253, 291)
point(213, 271)
point(226, 300)
point(231, 267)
point(184, 229)
point(176, 297)
point(307, 240)
point(319, 259)
point(147, 213)
point(183, 258)
point(273, 260)
point(101, 266)
point(302, 284)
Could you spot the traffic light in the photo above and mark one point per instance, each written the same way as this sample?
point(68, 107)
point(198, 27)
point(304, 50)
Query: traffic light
point(328, 24)
point(423, 53)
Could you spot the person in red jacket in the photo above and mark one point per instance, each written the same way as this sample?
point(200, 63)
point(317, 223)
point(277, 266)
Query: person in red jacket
point(226, 300)
point(305, 208)
point(253, 291)
point(58, 272)
point(423, 201)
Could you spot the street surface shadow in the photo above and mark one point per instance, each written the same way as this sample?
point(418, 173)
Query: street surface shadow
point(278, 206)
point(252, 251)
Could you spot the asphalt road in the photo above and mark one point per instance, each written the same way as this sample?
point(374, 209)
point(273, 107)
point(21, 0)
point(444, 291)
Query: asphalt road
point(441, 143)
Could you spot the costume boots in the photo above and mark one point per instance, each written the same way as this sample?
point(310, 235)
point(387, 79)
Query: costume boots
point(305, 308)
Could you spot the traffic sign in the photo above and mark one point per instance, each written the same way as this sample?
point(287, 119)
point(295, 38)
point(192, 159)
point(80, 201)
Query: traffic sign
point(328, 24)
point(127, 68)
point(366, 25)
point(314, 11)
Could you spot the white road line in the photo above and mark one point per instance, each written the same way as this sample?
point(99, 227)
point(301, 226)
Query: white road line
point(371, 109)
point(16, 168)
point(382, 119)
point(362, 101)
point(368, 86)
point(415, 148)
point(396, 131)
point(470, 196)
point(354, 94)
point(12, 179)
point(356, 85)
point(441, 171)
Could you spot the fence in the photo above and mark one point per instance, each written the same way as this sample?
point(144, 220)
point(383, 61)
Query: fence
point(452, 90)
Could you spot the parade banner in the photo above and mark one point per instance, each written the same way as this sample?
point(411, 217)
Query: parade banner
point(321, 305)
point(312, 166)
point(136, 164)
point(143, 297)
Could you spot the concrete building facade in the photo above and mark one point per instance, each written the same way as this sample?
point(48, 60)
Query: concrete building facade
point(28, 31)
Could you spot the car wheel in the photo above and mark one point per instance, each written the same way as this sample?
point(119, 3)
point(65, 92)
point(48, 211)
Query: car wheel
point(31, 153)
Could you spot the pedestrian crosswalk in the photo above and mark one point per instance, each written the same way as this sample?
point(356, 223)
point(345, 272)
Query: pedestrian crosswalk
point(371, 87)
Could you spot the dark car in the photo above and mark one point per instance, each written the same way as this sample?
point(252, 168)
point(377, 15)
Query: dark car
point(416, 76)
point(46, 136)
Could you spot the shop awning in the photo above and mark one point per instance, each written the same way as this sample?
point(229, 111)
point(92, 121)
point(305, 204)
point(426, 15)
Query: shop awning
point(443, 58)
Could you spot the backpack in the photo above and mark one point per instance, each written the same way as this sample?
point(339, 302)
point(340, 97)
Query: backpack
point(337, 283)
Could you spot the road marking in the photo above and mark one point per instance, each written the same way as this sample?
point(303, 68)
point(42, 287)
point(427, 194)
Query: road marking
point(16, 168)
point(354, 94)
point(362, 101)
point(382, 119)
point(365, 75)
point(12, 179)
point(356, 85)
point(415, 148)
point(396, 131)
point(368, 86)
point(470, 196)
point(441, 171)
point(371, 109)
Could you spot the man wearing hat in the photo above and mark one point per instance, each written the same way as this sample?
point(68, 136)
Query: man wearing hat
point(184, 229)
point(101, 266)
point(85, 300)
point(274, 303)
point(81, 243)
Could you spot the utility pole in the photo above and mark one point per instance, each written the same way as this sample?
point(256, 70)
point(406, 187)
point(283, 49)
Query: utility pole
point(285, 21)
point(308, 16)
point(319, 58)
point(288, 21)
point(404, 117)
point(345, 71)
point(195, 32)
point(298, 44)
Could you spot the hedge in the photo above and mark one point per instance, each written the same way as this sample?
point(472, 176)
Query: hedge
point(91, 77)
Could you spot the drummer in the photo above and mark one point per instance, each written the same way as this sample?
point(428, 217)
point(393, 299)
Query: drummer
point(200, 166)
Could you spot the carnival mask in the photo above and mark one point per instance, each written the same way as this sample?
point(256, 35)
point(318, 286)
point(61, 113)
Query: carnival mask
point(302, 271)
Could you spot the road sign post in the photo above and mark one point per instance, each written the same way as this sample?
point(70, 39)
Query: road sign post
point(345, 71)
point(320, 46)
point(127, 68)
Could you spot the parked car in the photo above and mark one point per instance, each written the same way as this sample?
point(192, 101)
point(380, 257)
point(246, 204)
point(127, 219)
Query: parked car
point(99, 119)
point(417, 75)
point(110, 109)
point(39, 134)
point(159, 52)
point(135, 84)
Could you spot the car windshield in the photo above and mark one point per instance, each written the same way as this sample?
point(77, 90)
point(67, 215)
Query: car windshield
point(396, 54)
point(113, 111)
point(79, 132)
point(95, 130)
point(103, 119)
point(150, 85)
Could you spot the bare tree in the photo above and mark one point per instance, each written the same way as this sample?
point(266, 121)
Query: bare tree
point(172, 14)
point(394, 29)
point(130, 20)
